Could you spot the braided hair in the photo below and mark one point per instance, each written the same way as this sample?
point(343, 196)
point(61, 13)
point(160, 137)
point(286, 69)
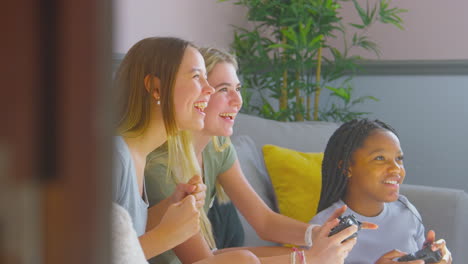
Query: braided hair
point(338, 155)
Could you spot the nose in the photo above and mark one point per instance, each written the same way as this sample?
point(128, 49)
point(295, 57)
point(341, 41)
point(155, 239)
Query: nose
point(207, 88)
point(396, 166)
point(236, 99)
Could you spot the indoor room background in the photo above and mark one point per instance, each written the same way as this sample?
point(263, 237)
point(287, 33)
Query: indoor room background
point(421, 80)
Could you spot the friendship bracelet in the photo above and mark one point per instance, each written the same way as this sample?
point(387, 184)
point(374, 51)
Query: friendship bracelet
point(293, 257)
point(301, 256)
point(308, 235)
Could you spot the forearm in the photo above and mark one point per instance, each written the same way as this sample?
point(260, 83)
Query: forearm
point(283, 229)
point(156, 241)
point(259, 251)
point(193, 250)
point(156, 212)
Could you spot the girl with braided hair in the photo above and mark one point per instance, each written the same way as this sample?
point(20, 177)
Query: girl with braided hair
point(363, 168)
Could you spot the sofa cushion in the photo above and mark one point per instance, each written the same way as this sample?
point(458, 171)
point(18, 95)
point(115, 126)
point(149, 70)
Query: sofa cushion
point(255, 172)
point(297, 180)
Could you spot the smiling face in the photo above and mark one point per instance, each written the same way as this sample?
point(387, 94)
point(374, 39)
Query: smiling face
point(225, 102)
point(191, 91)
point(376, 171)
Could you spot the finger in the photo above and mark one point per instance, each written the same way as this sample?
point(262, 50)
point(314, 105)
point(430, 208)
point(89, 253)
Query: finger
point(430, 237)
point(195, 180)
point(189, 200)
point(186, 188)
point(199, 197)
point(394, 254)
point(348, 245)
point(200, 187)
point(327, 227)
point(344, 234)
point(368, 225)
point(338, 212)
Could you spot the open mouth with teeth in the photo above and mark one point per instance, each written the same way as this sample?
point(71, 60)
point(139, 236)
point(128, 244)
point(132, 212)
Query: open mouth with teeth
point(228, 116)
point(392, 182)
point(200, 106)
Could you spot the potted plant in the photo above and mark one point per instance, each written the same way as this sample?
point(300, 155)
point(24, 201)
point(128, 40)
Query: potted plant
point(282, 57)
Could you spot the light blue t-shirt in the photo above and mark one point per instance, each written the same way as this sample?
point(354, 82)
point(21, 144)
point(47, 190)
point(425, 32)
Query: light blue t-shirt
point(400, 227)
point(125, 187)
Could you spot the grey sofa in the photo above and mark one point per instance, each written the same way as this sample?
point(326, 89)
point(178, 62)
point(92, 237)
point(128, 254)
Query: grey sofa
point(443, 210)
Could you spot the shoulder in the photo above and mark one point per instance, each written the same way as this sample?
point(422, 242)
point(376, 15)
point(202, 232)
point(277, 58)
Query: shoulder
point(404, 205)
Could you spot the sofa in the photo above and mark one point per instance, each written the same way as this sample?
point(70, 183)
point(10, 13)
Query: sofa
point(442, 209)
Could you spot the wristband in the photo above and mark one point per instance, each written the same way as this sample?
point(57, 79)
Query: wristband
point(308, 235)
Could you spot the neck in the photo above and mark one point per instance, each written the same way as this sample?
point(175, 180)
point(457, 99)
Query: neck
point(200, 141)
point(363, 205)
point(153, 137)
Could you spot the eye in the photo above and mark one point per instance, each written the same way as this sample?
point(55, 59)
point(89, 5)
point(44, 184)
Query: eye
point(400, 158)
point(196, 76)
point(223, 89)
point(380, 157)
point(238, 89)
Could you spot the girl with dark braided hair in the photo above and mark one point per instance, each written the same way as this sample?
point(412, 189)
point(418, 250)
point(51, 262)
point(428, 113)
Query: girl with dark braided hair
point(363, 168)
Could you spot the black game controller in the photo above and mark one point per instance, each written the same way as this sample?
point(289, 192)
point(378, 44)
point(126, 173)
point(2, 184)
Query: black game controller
point(345, 222)
point(425, 254)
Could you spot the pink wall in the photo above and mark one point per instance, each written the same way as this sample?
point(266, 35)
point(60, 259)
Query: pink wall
point(205, 22)
point(434, 29)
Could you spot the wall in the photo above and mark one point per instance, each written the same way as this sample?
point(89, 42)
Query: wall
point(430, 114)
point(434, 30)
point(428, 111)
point(206, 22)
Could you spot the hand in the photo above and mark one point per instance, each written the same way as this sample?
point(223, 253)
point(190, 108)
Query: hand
point(439, 244)
point(388, 257)
point(328, 250)
point(181, 220)
point(195, 187)
point(338, 212)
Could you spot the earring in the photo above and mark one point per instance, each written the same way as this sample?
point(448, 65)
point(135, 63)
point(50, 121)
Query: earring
point(158, 102)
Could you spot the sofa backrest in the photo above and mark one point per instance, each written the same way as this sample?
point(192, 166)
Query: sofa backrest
point(310, 136)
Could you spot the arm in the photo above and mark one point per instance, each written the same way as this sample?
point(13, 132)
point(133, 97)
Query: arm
point(268, 224)
point(194, 249)
point(179, 223)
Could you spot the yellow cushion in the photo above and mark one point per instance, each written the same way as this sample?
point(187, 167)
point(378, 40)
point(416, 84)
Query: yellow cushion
point(296, 179)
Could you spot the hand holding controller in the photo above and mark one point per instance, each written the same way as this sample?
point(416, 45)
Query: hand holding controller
point(425, 254)
point(344, 223)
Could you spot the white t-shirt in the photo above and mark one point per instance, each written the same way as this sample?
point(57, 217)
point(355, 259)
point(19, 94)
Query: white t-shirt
point(400, 227)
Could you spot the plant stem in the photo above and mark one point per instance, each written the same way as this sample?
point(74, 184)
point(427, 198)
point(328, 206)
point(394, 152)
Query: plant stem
point(299, 116)
point(317, 81)
point(283, 101)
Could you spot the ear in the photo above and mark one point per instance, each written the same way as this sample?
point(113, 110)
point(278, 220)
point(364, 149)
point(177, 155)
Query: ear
point(348, 172)
point(152, 85)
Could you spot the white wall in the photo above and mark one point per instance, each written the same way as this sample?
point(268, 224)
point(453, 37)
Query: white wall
point(205, 22)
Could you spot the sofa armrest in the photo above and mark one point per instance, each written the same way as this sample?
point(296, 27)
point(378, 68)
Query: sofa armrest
point(445, 211)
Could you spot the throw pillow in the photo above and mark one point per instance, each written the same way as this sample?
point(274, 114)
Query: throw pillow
point(297, 180)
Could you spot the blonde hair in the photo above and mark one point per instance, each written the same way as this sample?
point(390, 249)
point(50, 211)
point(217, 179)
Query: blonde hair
point(212, 57)
point(161, 58)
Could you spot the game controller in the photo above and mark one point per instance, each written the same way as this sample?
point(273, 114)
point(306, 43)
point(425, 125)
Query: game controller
point(345, 222)
point(425, 254)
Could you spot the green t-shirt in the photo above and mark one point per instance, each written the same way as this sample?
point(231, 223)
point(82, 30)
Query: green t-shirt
point(159, 187)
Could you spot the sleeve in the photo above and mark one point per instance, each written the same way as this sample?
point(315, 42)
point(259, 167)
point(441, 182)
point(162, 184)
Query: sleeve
point(420, 234)
point(118, 174)
point(229, 156)
point(321, 217)
point(158, 185)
